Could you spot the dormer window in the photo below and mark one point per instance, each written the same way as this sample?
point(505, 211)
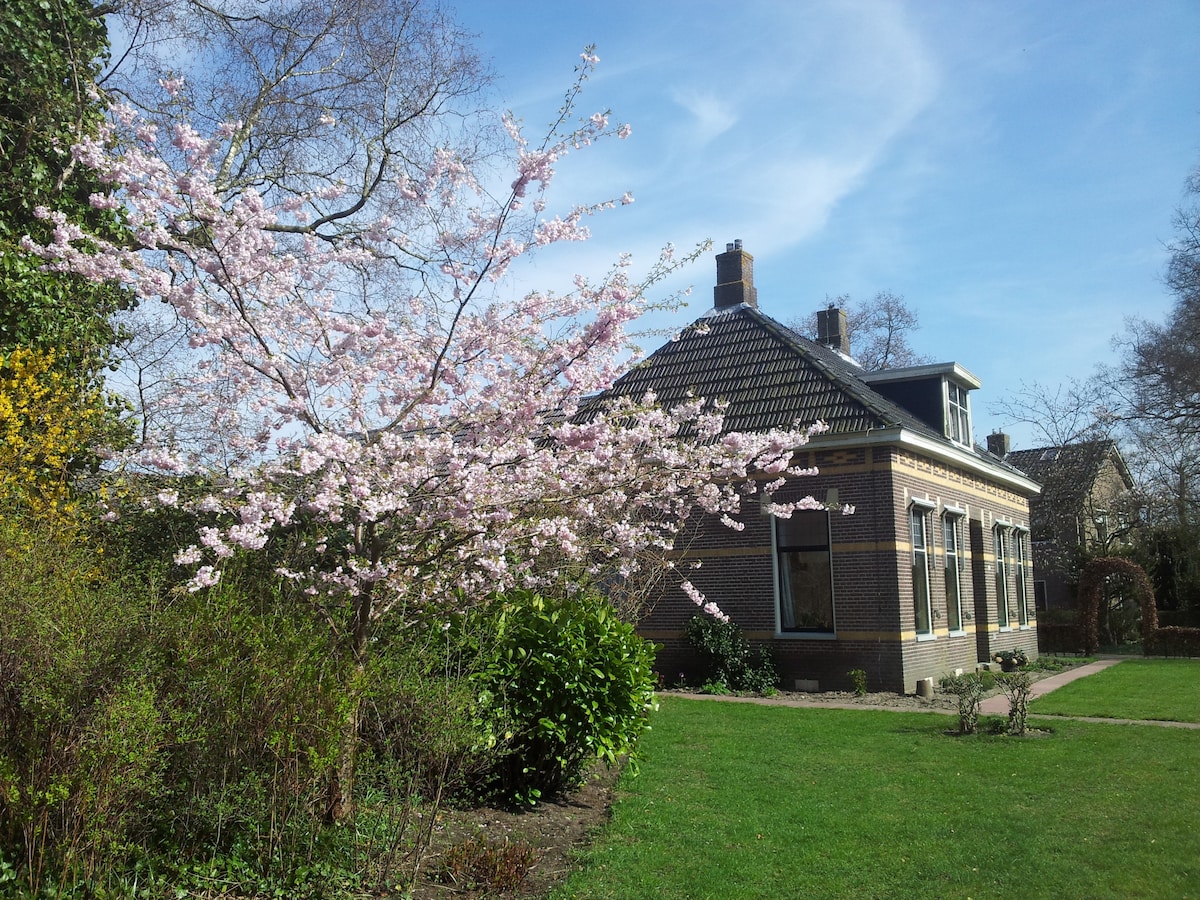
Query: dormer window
point(938, 394)
point(958, 414)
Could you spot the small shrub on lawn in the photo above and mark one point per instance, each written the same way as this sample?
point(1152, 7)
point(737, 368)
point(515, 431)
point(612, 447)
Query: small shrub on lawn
point(859, 678)
point(1015, 686)
point(968, 689)
point(728, 659)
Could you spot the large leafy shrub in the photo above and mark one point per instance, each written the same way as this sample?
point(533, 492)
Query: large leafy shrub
point(569, 681)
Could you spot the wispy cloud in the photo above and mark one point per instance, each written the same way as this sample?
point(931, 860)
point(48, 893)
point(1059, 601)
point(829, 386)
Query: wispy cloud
point(711, 115)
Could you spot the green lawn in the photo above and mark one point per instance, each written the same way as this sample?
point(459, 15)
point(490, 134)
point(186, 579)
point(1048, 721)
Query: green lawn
point(1167, 689)
point(743, 801)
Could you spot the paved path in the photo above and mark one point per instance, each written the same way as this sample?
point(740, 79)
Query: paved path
point(992, 706)
point(997, 705)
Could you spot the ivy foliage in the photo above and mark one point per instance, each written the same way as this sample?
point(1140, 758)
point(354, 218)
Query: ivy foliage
point(51, 52)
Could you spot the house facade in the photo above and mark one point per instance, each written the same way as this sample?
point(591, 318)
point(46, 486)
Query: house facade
point(930, 575)
point(1082, 512)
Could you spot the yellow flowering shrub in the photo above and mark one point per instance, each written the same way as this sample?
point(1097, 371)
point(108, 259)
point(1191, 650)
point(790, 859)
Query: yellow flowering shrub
point(49, 428)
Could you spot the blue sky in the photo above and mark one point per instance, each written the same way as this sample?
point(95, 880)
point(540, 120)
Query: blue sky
point(1010, 168)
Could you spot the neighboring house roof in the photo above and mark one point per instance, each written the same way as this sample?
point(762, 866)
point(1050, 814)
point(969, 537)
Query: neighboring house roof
point(1072, 467)
point(1077, 484)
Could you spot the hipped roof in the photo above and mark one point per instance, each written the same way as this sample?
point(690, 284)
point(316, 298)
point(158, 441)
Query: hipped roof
point(772, 377)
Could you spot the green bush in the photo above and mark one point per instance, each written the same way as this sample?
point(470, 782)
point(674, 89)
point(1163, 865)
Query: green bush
point(81, 727)
point(569, 682)
point(257, 695)
point(427, 727)
point(140, 724)
point(727, 659)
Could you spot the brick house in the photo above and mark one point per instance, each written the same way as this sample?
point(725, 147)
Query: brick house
point(1082, 512)
point(931, 573)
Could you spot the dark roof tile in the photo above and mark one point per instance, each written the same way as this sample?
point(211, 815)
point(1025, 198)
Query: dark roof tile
point(770, 376)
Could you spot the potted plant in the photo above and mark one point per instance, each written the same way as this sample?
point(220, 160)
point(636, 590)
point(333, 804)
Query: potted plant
point(1011, 660)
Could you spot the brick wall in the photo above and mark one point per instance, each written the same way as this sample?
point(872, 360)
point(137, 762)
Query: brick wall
point(872, 574)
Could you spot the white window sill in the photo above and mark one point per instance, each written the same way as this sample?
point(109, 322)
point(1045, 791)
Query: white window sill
point(926, 637)
point(805, 636)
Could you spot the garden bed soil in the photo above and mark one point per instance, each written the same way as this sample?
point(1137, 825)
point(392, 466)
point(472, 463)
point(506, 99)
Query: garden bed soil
point(556, 831)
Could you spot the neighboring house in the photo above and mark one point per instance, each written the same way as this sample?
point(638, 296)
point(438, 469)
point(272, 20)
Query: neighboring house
point(1080, 514)
point(929, 576)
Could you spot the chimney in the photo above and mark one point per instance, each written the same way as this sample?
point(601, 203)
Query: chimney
point(735, 278)
point(831, 329)
point(998, 444)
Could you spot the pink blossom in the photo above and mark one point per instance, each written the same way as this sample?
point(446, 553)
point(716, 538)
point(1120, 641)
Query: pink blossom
point(205, 577)
point(428, 427)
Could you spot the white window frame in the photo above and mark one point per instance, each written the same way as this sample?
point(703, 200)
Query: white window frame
point(781, 587)
point(958, 413)
point(1021, 562)
point(952, 521)
point(1001, 544)
point(921, 557)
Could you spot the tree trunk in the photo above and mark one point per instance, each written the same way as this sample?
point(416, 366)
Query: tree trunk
point(339, 805)
point(340, 800)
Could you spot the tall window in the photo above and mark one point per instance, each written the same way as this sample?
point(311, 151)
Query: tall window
point(918, 517)
point(959, 411)
point(951, 540)
point(1022, 558)
point(805, 572)
point(1001, 538)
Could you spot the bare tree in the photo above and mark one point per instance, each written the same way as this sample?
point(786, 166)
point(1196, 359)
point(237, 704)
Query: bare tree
point(339, 100)
point(1062, 414)
point(1159, 377)
point(878, 330)
point(343, 103)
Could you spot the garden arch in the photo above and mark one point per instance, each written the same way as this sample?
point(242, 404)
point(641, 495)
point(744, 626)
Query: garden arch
point(1091, 584)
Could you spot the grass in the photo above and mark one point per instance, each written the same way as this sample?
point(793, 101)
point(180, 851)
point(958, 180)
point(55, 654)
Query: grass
point(748, 801)
point(1164, 689)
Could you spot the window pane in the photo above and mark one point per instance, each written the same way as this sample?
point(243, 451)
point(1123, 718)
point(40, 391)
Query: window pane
point(953, 601)
point(1022, 599)
point(921, 594)
point(806, 528)
point(805, 572)
point(806, 591)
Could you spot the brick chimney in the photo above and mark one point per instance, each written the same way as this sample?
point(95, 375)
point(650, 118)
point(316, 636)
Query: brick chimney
point(998, 444)
point(831, 329)
point(735, 278)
